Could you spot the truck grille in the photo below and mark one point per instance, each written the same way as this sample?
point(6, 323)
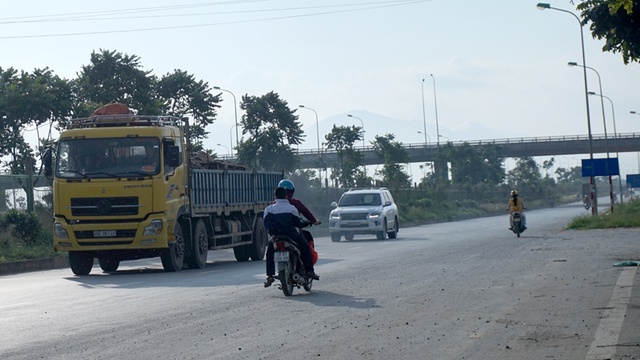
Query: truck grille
point(104, 206)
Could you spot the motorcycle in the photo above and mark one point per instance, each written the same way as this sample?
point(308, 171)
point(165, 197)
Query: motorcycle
point(586, 202)
point(291, 270)
point(517, 225)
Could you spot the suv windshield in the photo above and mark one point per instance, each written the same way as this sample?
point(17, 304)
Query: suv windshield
point(108, 157)
point(360, 200)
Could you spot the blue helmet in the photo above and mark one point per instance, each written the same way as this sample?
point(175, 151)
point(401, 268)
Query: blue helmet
point(287, 184)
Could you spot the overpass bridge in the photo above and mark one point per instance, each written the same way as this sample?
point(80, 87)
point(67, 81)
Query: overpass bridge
point(510, 148)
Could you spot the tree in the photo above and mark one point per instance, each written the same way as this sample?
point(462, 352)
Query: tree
point(474, 165)
point(342, 138)
point(273, 130)
point(569, 176)
point(29, 99)
point(116, 77)
point(617, 22)
point(182, 95)
point(393, 154)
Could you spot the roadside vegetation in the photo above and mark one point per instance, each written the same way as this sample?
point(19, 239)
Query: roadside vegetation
point(624, 215)
point(26, 235)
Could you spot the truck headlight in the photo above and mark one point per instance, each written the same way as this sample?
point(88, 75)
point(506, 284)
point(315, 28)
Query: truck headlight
point(334, 215)
point(59, 231)
point(374, 215)
point(154, 228)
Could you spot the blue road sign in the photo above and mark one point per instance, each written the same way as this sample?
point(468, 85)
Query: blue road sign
point(633, 181)
point(600, 167)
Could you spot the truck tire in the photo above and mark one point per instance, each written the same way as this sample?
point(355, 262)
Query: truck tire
point(260, 240)
point(108, 264)
point(80, 262)
point(173, 257)
point(199, 244)
point(335, 237)
point(242, 253)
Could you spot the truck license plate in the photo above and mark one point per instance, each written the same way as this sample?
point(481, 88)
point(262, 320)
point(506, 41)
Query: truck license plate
point(281, 256)
point(104, 233)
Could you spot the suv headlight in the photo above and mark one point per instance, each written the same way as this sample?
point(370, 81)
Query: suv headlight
point(335, 215)
point(374, 214)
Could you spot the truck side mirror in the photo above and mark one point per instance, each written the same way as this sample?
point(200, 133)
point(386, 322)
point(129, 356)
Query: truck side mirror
point(173, 155)
point(47, 160)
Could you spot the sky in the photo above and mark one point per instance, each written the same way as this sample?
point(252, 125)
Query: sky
point(489, 69)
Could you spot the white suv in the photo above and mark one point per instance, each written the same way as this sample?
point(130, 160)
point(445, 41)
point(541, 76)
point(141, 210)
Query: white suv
point(371, 211)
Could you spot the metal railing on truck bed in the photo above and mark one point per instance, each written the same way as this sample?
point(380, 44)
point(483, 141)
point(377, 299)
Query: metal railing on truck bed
point(219, 190)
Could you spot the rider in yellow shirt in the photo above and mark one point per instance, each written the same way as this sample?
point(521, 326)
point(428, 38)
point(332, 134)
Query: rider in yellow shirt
point(516, 205)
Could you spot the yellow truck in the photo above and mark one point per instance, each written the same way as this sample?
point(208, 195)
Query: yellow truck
point(125, 188)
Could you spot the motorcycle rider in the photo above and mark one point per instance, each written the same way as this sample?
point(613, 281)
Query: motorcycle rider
point(304, 211)
point(282, 218)
point(516, 205)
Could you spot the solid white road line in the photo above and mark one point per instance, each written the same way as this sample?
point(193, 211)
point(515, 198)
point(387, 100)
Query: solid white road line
point(606, 337)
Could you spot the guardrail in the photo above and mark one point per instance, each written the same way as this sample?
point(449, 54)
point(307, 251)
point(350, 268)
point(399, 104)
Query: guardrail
point(500, 141)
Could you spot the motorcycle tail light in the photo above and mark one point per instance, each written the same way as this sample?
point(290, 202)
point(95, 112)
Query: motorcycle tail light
point(280, 245)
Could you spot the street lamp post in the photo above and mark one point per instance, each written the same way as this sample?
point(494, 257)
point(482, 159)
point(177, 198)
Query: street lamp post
point(317, 137)
point(363, 143)
point(224, 146)
point(636, 113)
point(594, 199)
point(424, 116)
point(435, 105)
point(235, 108)
point(604, 123)
point(615, 137)
point(317, 126)
point(425, 137)
point(362, 123)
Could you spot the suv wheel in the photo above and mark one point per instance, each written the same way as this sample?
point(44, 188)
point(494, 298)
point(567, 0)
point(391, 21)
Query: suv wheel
point(394, 232)
point(381, 234)
point(335, 237)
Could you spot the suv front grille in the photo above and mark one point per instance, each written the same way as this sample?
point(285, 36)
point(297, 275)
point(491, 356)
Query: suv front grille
point(104, 206)
point(354, 216)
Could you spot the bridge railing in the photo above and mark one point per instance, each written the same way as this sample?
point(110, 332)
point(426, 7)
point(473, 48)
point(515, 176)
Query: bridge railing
point(502, 141)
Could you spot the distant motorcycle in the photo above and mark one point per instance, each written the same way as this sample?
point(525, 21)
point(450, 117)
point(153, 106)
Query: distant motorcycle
point(291, 270)
point(517, 225)
point(586, 202)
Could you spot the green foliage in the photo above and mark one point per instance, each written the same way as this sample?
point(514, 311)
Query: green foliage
point(273, 130)
point(393, 155)
point(471, 165)
point(342, 139)
point(28, 99)
point(615, 21)
point(624, 215)
point(24, 226)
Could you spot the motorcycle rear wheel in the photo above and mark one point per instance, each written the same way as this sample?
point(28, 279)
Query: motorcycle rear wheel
point(286, 279)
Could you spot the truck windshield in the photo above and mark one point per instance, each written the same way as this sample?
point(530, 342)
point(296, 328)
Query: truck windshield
point(108, 157)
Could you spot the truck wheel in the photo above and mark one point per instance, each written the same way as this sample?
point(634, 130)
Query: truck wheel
point(242, 253)
point(348, 237)
point(109, 265)
point(199, 247)
point(173, 256)
point(81, 262)
point(260, 240)
point(335, 237)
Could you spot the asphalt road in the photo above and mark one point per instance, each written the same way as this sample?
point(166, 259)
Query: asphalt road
point(460, 290)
